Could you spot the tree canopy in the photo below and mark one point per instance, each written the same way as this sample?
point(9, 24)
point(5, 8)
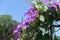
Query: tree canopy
point(7, 24)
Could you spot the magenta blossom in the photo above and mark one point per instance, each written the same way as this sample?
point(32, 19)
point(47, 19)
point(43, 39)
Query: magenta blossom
point(32, 13)
point(17, 35)
point(15, 31)
point(31, 18)
point(55, 4)
point(35, 13)
point(25, 24)
point(31, 10)
point(19, 25)
point(27, 14)
point(44, 1)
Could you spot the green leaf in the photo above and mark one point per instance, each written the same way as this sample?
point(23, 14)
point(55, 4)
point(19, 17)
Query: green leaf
point(39, 3)
point(46, 37)
point(39, 36)
point(45, 8)
point(42, 18)
point(42, 29)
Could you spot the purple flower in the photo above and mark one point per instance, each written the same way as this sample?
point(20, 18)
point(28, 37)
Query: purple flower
point(27, 14)
point(19, 26)
point(51, 6)
point(26, 23)
point(32, 18)
point(17, 35)
point(31, 10)
point(35, 13)
point(32, 13)
point(27, 20)
point(55, 4)
point(45, 1)
point(15, 31)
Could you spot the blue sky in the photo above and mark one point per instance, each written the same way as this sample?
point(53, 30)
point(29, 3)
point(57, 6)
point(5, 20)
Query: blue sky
point(15, 8)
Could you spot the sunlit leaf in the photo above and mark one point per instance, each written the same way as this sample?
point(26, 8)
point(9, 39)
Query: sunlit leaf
point(42, 18)
point(42, 29)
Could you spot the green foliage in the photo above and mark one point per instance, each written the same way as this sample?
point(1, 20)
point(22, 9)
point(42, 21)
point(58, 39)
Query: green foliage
point(6, 26)
point(40, 28)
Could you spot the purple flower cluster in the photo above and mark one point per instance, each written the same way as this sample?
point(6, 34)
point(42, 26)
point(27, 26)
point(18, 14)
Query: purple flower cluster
point(17, 35)
point(55, 4)
point(44, 1)
point(32, 13)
